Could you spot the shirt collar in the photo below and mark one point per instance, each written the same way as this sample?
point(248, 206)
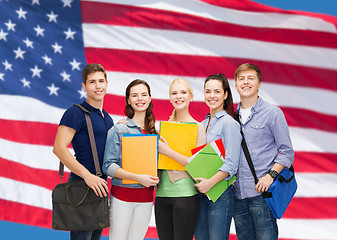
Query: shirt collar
point(255, 108)
point(88, 106)
point(257, 105)
point(91, 108)
point(218, 114)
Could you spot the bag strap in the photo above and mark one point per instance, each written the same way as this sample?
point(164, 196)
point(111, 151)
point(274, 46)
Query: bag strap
point(92, 140)
point(282, 179)
point(252, 169)
point(248, 158)
point(92, 143)
point(250, 163)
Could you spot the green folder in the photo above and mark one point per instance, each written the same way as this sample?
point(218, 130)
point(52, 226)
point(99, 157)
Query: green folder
point(206, 163)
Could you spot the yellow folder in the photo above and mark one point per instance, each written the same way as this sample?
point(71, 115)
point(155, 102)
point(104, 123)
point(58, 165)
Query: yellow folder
point(181, 137)
point(139, 154)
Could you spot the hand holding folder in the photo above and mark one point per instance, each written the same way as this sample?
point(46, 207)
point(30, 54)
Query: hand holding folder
point(139, 154)
point(205, 163)
point(181, 137)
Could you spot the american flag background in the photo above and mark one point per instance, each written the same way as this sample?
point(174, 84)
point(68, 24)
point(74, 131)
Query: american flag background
point(44, 45)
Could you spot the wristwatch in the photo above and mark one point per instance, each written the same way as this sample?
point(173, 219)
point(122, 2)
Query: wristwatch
point(273, 173)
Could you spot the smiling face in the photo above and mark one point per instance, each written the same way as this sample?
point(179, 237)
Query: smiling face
point(180, 95)
point(247, 84)
point(95, 86)
point(214, 95)
point(139, 98)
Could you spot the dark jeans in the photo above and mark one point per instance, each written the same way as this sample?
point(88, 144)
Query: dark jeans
point(254, 220)
point(214, 219)
point(176, 217)
point(87, 235)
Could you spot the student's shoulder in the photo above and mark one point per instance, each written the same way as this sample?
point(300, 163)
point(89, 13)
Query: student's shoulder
point(264, 105)
point(228, 119)
point(271, 108)
point(74, 113)
point(74, 109)
point(73, 117)
point(121, 128)
point(230, 122)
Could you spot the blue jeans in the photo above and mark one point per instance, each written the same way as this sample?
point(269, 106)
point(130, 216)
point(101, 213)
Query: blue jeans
point(86, 235)
point(254, 220)
point(214, 219)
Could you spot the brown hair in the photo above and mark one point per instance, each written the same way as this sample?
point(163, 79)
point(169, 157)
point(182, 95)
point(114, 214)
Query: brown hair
point(228, 102)
point(149, 123)
point(248, 66)
point(91, 68)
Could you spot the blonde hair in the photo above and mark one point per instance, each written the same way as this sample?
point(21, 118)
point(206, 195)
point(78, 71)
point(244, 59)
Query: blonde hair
point(189, 88)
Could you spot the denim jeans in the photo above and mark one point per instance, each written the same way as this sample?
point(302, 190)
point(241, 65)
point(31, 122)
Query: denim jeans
point(214, 219)
point(254, 220)
point(86, 235)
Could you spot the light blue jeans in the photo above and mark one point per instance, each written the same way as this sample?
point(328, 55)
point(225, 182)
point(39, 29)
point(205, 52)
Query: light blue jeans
point(254, 220)
point(214, 219)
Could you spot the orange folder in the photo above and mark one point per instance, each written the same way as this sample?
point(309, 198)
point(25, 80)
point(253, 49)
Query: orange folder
point(181, 137)
point(139, 154)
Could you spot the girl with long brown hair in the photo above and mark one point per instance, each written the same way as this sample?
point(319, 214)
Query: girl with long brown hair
point(131, 204)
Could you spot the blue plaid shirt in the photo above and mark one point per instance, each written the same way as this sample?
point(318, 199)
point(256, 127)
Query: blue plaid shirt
point(267, 136)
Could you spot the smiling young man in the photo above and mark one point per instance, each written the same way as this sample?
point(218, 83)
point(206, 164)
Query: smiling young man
point(73, 129)
point(267, 135)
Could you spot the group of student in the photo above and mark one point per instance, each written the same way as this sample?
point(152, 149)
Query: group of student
point(182, 210)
